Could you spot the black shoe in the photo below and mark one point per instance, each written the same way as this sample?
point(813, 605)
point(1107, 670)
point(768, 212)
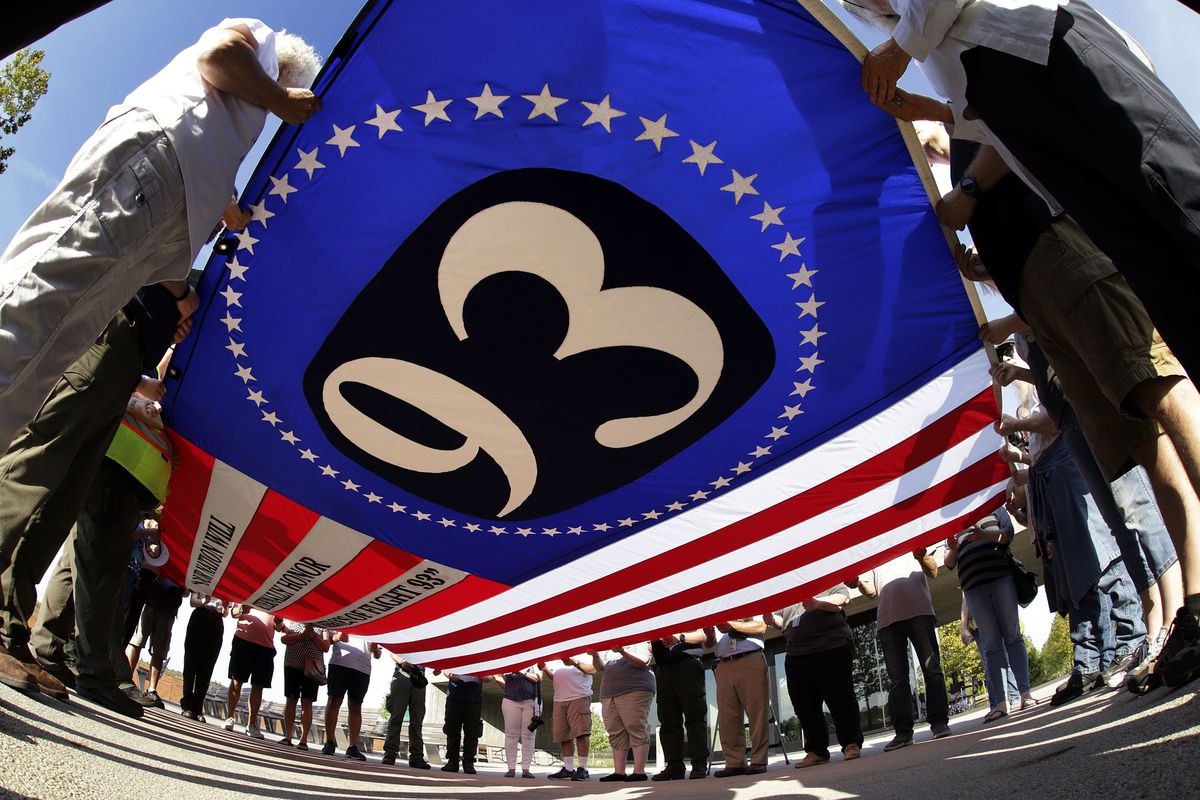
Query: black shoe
point(729, 772)
point(192, 716)
point(671, 774)
point(353, 752)
point(1077, 683)
point(158, 703)
point(136, 695)
point(329, 749)
point(468, 768)
point(113, 699)
point(698, 771)
point(581, 774)
point(1179, 661)
point(898, 741)
point(634, 777)
point(756, 769)
point(450, 766)
point(613, 778)
point(940, 730)
point(563, 774)
point(418, 763)
point(60, 670)
point(388, 760)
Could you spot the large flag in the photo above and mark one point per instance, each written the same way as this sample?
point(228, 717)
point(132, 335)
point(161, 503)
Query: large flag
point(563, 324)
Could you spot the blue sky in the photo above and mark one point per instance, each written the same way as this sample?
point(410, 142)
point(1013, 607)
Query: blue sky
point(97, 60)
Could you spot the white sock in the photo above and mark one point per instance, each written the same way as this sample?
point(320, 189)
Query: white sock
point(583, 762)
point(568, 762)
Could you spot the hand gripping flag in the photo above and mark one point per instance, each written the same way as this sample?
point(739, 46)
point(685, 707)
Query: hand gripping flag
point(563, 324)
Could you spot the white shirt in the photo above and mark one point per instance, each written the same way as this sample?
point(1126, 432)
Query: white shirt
point(641, 650)
point(211, 131)
point(351, 652)
point(1022, 28)
point(571, 683)
point(728, 646)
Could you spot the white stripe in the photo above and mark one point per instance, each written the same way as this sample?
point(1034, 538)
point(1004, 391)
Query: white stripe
point(970, 451)
point(324, 550)
point(231, 502)
point(924, 406)
point(714, 607)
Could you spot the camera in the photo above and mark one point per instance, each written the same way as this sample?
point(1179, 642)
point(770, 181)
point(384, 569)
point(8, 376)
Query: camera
point(536, 722)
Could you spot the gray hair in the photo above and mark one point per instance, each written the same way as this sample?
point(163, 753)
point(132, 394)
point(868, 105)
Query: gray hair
point(299, 63)
point(876, 19)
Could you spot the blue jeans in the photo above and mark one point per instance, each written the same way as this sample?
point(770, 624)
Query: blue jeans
point(1107, 622)
point(1011, 684)
point(994, 607)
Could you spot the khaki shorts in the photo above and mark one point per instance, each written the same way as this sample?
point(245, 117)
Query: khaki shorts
point(1097, 336)
point(626, 718)
point(572, 719)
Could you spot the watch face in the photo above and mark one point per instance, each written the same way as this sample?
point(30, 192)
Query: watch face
point(969, 186)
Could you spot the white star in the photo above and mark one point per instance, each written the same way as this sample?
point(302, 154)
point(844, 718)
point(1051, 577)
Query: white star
point(329, 471)
point(433, 108)
point(232, 298)
point(289, 436)
point(385, 120)
point(544, 103)
point(810, 306)
point(761, 451)
point(237, 348)
point(740, 186)
point(487, 103)
point(271, 417)
point(308, 455)
point(741, 469)
point(525, 531)
point(396, 507)
point(813, 335)
point(421, 515)
point(281, 187)
point(308, 161)
point(720, 483)
point(810, 363)
point(577, 530)
point(804, 276)
point(244, 374)
point(651, 514)
point(655, 132)
point(702, 156)
point(790, 412)
point(231, 323)
point(256, 396)
point(676, 506)
point(246, 241)
point(446, 523)
point(343, 138)
point(372, 497)
point(789, 246)
point(602, 113)
point(351, 486)
point(236, 270)
point(472, 527)
point(496, 530)
point(698, 496)
point(769, 216)
point(259, 213)
point(802, 388)
point(603, 526)
point(777, 433)
point(628, 522)
point(550, 531)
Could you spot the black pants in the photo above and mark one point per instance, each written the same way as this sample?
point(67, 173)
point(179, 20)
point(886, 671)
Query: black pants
point(463, 720)
point(682, 705)
point(201, 646)
point(894, 640)
point(1114, 146)
point(818, 678)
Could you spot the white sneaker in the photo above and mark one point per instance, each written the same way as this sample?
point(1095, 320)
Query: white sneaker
point(229, 724)
point(254, 733)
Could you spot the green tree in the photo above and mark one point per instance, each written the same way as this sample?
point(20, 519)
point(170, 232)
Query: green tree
point(599, 740)
point(959, 659)
point(22, 84)
point(1037, 667)
point(1058, 654)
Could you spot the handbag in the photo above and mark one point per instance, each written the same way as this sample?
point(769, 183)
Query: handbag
point(417, 678)
point(1026, 581)
point(314, 670)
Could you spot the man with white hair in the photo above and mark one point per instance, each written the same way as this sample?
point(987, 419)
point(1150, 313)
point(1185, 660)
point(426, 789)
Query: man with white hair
point(139, 200)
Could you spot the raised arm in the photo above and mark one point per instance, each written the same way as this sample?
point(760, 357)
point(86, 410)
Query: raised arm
point(229, 63)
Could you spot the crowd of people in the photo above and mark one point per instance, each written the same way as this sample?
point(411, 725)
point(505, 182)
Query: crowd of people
point(1074, 169)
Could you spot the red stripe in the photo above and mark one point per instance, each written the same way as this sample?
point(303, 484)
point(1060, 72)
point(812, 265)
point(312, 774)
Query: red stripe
point(955, 426)
point(771, 603)
point(467, 592)
point(185, 502)
point(976, 477)
point(376, 566)
point(275, 530)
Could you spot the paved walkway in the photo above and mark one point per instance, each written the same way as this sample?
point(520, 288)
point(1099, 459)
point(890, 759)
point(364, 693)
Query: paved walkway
point(1106, 745)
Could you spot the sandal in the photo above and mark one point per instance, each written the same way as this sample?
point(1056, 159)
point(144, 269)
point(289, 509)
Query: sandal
point(1028, 702)
point(994, 714)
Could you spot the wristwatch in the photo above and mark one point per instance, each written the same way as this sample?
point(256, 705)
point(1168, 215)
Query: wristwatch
point(969, 186)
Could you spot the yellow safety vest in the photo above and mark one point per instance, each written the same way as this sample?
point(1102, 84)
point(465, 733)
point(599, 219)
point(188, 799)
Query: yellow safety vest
point(145, 453)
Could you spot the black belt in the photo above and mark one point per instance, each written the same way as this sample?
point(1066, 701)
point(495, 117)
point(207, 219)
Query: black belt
point(742, 654)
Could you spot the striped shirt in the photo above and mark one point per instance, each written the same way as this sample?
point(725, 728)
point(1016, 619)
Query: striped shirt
point(985, 561)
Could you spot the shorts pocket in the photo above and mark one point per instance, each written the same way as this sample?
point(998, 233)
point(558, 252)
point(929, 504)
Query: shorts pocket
point(130, 204)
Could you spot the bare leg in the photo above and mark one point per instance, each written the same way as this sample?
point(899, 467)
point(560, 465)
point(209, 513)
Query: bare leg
point(581, 746)
point(639, 758)
point(1170, 587)
point(232, 697)
point(255, 702)
point(289, 718)
point(619, 757)
point(332, 707)
point(1177, 501)
point(156, 665)
point(1175, 403)
point(354, 722)
point(305, 719)
point(133, 654)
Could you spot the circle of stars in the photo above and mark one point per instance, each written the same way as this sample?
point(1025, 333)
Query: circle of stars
point(542, 107)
